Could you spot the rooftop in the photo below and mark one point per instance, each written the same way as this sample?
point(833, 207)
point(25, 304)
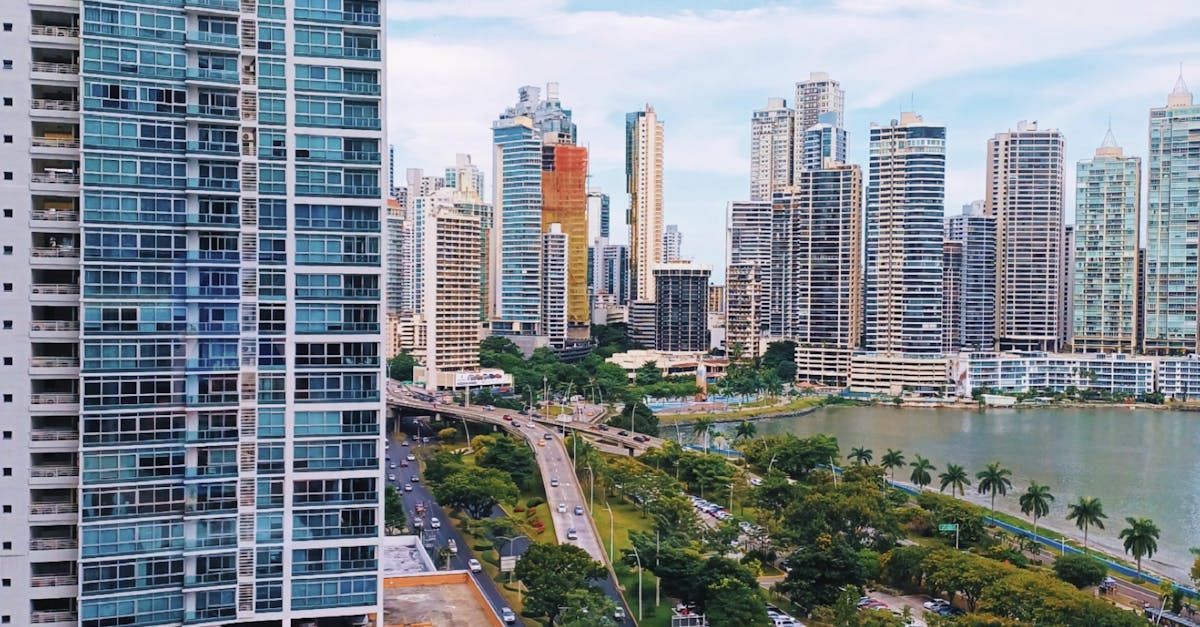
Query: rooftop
point(441, 599)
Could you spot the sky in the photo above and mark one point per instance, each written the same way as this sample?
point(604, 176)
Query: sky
point(977, 66)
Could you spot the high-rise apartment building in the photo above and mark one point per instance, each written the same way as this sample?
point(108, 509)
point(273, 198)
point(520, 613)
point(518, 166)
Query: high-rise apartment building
point(772, 141)
point(816, 95)
point(824, 144)
point(816, 271)
point(1066, 279)
point(905, 195)
point(747, 272)
point(197, 198)
point(1107, 229)
point(976, 314)
point(952, 271)
point(597, 238)
point(565, 203)
point(681, 316)
point(1025, 195)
point(1172, 224)
point(644, 182)
point(516, 246)
point(556, 281)
point(614, 273)
point(452, 296)
point(401, 259)
point(465, 177)
point(672, 244)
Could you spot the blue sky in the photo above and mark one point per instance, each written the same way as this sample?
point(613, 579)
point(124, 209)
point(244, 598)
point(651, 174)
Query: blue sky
point(977, 66)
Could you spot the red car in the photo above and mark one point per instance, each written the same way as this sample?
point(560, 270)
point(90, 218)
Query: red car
point(507, 417)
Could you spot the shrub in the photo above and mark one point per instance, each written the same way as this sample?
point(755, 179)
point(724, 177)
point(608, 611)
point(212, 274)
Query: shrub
point(534, 502)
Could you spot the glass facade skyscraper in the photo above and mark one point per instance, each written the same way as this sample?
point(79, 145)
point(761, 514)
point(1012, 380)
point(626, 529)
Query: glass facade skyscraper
point(1172, 225)
point(206, 183)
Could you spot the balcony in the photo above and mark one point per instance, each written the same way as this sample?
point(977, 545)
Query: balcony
point(207, 544)
point(54, 326)
point(221, 578)
point(49, 581)
point(337, 52)
point(211, 184)
point(54, 32)
point(212, 112)
point(57, 252)
point(53, 104)
point(53, 544)
point(46, 617)
point(53, 398)
point(338, 17)
point(54, 288)
point(54, 215)
point(52, 361)
point(67, 71)
point(54, 178)
point(213, 148)
point(44, 472)
point(54, 142)
point(231, 6)
point(216, 40)
point(209, 75)
point(53, 435)
point(340, 191)
point(338, 87)
point(53, 508)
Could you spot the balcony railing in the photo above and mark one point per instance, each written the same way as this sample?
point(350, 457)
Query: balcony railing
point(52, 544)
point(213, 39)
point(47, 581)
point(221, 5)
point(53, 435)
point(53, 361)
point(49, 67)
point(43, 617)
point(211, 75)
point(211, 111)
point(39, 30)
point(57, 178)
point(50, 509)
point(48, 326)
point(54, 142)
point(51, 104)
point(54, 251)
point(54, 215)
point(54, 288)
point(54, 471)
point(226, 185)
point(55, 398)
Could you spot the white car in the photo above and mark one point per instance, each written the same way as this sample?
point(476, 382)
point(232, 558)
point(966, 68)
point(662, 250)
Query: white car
point(391, 477)
point(435, 523)
point(408, 487)
point(562, 508)
point(411, 458)
point(507, 615)
point(474, 565)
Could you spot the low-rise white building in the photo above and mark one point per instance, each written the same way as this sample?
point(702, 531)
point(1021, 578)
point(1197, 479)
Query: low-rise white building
point(1054, 372)
point(672, 364)
point(1178, 378)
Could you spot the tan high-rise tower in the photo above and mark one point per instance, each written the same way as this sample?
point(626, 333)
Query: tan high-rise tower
point(643, 181)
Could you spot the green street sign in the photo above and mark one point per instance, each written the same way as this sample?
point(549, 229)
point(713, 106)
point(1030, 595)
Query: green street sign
point(948, 527)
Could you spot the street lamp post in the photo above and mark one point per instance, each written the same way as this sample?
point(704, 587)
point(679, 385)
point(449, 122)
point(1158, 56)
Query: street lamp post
point(592, 476)
point(772, 463)
point(639, 564)
point(510, 573)
point(611, 534)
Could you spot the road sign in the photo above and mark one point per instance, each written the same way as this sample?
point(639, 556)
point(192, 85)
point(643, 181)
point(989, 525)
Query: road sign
point(508, 563)
point(947, 527)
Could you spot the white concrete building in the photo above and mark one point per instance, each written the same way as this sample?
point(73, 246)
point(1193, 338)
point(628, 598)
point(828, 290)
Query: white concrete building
point(644, 166)
point(451, 297)
point(772, 148)
point(1053, 372)
point(554, 285)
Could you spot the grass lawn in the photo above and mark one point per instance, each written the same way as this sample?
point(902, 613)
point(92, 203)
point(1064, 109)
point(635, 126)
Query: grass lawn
point(626, 518)
point(751, 410)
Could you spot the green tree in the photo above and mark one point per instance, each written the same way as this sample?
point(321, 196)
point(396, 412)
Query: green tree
point(994, 480)
point(1195, 572)
point(476, 491)
point(401, 366)
point(818, 572)
point(955, 478)
point(732, 603)
point(921, 472)
point(861, 455)
point(648, 374)
point(1087, 512)
point(956, 572)
point(637, 415)
point(780, 358)
point(449, 434)
point(393, 508)
point(902, 566)
point(892, 460)
point(745, 430)
point(703, 429)
point(513, 458)
point(551, 572)
point(442, 465)
point(587, 607)
point(1141, 539)
point(1080, 571)
point(1035, 502)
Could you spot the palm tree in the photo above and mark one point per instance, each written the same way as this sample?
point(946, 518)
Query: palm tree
point(861, 455)
point(1141, 539)
point(920, 474)
point(1036, 502)
point(956, 478)
point(994, 480)
point(891, 461)
point(745, 430)
point(703, 429)
point(1086, 512)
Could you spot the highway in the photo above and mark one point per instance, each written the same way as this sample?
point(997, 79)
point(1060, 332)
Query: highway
point(554, 464)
